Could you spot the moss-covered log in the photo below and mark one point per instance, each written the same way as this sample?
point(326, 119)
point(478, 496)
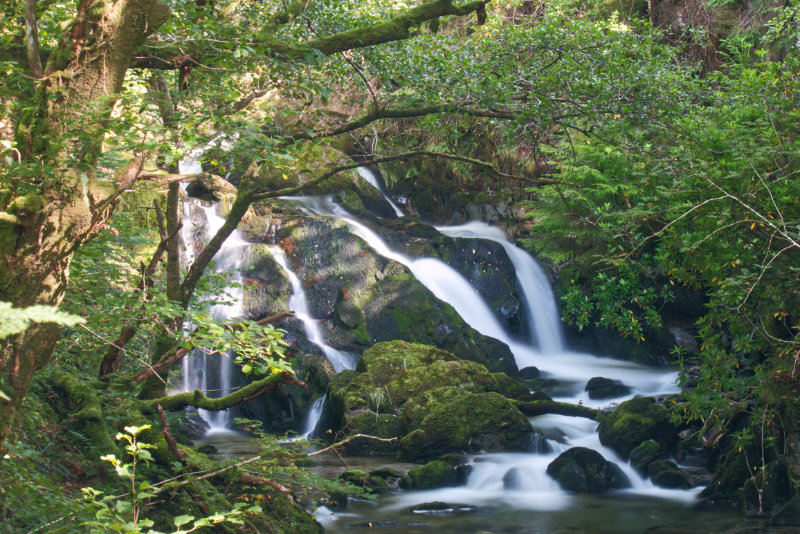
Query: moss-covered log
point(251, 391)
point(533, 408)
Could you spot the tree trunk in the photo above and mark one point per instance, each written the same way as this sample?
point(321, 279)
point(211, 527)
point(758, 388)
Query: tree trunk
point(39, 231)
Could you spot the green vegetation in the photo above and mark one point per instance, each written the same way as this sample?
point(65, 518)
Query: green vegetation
point(651, 164)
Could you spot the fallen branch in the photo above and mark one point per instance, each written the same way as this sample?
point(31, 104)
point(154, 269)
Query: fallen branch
point(533, 408)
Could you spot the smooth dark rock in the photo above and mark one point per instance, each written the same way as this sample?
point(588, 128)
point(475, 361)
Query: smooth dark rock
point(605, 388)
point(583, 470)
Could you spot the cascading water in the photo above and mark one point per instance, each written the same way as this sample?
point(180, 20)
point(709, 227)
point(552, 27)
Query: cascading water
point(489, 481)
point(297, 302)
point(368, 175)
point(313, 416)
point(212, 373)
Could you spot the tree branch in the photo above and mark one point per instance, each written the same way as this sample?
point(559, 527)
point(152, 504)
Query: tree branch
point(404, 155)
point(533, 408)
point(249, 392)
point(32, 40)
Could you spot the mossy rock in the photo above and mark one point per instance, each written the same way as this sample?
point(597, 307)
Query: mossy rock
point(788, 515)
point(730, 474)
point(666, 474)
point(635, 421)
point(583, 470)
point(605, 388)
point(474, 422)
point(643, 454)
point(435, 474)
point(776, 490)
point(268, 287)
point(379, 425)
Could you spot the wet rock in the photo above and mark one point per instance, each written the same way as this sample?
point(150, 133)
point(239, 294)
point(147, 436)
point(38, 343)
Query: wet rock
point(528, 373)
point(513, 479)
point(606, 388)
point(268, 287)
point(684, 339)
point(666, 474)
point(789, 514)
point(643, 454)
point(635, 421)
point(438, 507)
point(210, 188)
point(435, 474)
point(583, 470)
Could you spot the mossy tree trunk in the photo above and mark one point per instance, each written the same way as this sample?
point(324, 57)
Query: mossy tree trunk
point(51, 211)
point(64, 207)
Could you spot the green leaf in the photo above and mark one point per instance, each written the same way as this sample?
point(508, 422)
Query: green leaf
point(182, 520)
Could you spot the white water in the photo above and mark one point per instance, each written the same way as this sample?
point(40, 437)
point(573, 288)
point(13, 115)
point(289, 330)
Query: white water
point(539, 298)
point(313, 416)
point(537, 490)
point(297, 302)
point(211, 373)
point(368, 175)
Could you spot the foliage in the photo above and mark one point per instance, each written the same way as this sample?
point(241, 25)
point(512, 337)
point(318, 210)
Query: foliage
point(112, 514)
point(15, 320)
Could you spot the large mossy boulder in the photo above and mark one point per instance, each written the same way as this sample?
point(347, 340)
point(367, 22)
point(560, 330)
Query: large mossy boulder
point(268, 287)
point(472, 422)
point(768, 491)
point(789, 514)
point(583, 470)
point(635, 421)
point(399, 388)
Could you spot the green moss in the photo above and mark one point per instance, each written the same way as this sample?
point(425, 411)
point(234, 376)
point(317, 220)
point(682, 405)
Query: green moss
point(635, 421)
point(435, 474)
point(482, 198)
point(473, 422)
point(30, 203)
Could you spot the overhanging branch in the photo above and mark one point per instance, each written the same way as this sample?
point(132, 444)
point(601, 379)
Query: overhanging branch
point(249, 392)
point(287, 191)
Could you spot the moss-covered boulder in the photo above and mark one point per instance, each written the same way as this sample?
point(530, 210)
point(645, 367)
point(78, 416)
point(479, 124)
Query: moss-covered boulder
point(473, 422)
point(643, 454)
point(635, 421)
point(768, 491)
point(789, 514)
point(435, 474)
point(666, 474)
point(397, 386)
point(583, 470)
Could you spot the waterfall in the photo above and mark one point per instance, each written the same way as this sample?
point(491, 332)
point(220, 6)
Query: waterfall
point(297, 302)
point(538, 296)
point(488, 481)
point(211, 373)
point(313, 416)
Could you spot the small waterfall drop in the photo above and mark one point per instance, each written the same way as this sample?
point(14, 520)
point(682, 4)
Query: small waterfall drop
point(539, 298)
point(313, 416)
point(370, 177)
point(297, 302)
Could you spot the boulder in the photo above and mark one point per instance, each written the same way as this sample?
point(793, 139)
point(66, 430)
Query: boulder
point(775, 488)
point(789, 514)
point(666, 474)
point(397, 386)
point(635, 421)
point(472, 422)
point(643, 454)
point(605, 388)
point(583, 470)
point(435, 474)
